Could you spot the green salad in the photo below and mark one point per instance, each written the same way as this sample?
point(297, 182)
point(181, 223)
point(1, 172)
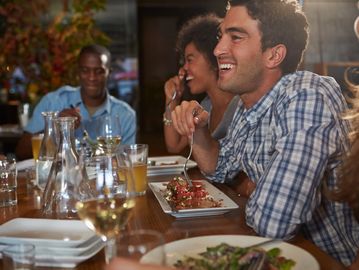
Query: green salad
point(227, 257)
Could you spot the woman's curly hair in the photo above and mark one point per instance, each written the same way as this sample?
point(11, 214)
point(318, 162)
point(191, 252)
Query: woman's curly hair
point(348, 187)
point(202, 32)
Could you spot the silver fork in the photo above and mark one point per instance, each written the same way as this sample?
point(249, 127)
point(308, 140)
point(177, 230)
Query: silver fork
point(172, 99)
point(258, 262)
point(189, 181)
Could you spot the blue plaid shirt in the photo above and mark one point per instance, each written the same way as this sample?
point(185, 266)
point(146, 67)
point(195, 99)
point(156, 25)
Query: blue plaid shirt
point(290, 143)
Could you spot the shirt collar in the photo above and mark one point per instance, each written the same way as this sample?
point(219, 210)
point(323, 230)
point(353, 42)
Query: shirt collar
point(76, 101)
point(259, 109)
point(105, 107)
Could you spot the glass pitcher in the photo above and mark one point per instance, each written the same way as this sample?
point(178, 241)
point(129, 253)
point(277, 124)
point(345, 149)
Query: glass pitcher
point(67, 178)
point(47, 149)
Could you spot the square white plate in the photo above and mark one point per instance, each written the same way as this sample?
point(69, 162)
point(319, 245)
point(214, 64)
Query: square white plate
point(64, 251)
point(168, 165)
point(46, 232)
point(158, 189)
point(67, 261)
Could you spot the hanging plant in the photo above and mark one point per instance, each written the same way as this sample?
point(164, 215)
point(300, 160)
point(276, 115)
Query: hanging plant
point(45, 48)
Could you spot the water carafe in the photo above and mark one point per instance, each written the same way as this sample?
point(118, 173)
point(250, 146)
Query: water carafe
point(47, 149)
point(67, 177)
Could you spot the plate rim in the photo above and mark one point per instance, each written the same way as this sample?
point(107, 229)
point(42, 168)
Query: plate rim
point(67, 261)
point(191, 163)
point(45, 223)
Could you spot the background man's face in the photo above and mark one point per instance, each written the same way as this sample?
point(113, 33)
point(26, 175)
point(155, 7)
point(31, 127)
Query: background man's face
point(93, 75)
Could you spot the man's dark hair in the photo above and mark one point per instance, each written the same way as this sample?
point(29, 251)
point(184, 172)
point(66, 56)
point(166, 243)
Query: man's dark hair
point(98, 50)
point(202, 31)
point(280, 22)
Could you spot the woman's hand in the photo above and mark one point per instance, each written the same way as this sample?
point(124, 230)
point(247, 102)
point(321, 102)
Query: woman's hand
point(176, 83)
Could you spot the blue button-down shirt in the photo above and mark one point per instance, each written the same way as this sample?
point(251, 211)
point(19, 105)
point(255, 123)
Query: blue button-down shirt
point(290, 143)
point(67, 96)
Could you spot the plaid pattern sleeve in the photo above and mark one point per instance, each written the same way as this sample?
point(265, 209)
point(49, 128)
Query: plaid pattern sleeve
point(290, 144)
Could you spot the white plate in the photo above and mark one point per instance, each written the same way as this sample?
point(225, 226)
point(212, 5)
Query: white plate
point(65, 251)
point(227, 204)
point(165, 165)
point(191, 246)
point(66, 261)
point(48, 232)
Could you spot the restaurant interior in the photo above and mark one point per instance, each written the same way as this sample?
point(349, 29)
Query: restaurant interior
point(141, 35)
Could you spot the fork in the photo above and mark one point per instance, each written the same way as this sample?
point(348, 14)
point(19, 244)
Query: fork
point(189, 181)
point(258, 262)
point(172, 99)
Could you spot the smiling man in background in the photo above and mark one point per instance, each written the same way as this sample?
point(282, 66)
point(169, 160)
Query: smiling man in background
point(89, 103)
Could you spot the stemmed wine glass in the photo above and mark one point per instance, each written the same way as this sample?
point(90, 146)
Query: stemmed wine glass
point(109, 208)
point(110, 134)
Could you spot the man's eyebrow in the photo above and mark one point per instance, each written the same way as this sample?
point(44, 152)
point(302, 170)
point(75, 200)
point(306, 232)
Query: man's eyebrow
point(236, 30)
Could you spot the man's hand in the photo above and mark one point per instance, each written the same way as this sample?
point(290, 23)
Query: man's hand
point(73, 112)
point(188, 116)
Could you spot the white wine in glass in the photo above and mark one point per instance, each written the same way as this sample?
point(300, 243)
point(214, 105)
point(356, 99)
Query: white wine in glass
point(109, 209)
point(110, 134)
point(109, 143)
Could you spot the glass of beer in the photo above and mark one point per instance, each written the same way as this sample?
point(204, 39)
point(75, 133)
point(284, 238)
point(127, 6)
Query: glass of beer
point(138, 154)
point(36, 144)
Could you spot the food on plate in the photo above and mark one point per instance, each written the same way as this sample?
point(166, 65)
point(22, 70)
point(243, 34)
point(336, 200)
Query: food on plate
point(224, 256)
point(181, 196)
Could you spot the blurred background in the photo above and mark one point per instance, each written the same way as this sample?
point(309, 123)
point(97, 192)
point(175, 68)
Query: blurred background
point(40, 39)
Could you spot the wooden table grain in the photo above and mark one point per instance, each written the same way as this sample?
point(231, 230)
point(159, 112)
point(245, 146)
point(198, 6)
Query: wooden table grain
point(148, 215)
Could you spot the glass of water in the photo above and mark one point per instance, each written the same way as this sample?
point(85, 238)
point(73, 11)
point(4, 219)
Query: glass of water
point(8, 182)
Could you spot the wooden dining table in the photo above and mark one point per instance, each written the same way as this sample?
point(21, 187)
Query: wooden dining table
point(148, 214)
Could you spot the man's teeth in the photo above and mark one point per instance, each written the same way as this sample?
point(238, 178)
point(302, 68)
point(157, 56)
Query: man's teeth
point(226, 66)
point(188, 78)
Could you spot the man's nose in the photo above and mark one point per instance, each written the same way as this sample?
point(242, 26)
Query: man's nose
point(92, 74)
point(220, 48)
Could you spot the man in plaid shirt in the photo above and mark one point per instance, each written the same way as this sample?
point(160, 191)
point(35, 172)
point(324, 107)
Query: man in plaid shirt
point(287, 134)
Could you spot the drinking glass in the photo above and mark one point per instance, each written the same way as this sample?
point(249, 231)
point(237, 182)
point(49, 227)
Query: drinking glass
point(35, 145)
point(138, 154)
point(110, 134)
point(19, 257)
point(8, 182)
point(109, 208)
point(146, 246)
point(24, 114)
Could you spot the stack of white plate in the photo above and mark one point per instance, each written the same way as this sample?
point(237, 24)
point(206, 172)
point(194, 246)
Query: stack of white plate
point(58, 243)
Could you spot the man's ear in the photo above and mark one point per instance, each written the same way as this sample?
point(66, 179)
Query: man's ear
point(275, 55)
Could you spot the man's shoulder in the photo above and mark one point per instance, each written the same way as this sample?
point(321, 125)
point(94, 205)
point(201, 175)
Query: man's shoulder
point(118, 104)
point(309, 89)
point(307, 80)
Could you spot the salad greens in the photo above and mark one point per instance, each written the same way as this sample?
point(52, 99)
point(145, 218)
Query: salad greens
point(227, 257)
